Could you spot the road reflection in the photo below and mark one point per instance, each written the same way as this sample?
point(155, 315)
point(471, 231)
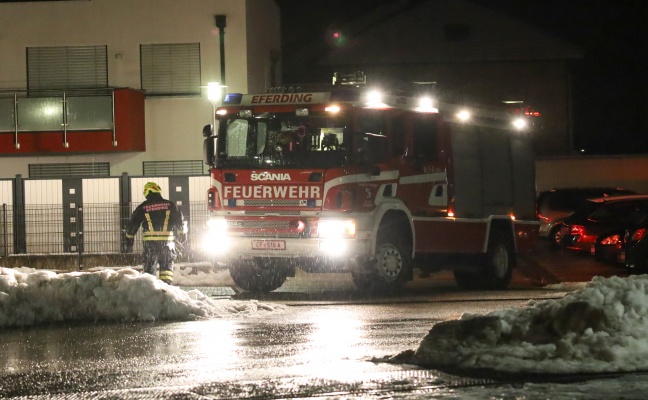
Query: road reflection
point(336, 342)
point(211, 348)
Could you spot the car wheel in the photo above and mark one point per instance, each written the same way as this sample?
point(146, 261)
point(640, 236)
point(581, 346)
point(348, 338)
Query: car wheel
point(555, 237)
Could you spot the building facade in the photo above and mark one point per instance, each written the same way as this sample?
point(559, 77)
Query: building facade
point(122, 83)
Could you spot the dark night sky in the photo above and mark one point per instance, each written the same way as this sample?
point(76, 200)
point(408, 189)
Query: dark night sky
point(610, 86)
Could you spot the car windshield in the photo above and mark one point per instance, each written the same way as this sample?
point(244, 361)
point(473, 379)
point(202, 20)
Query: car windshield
point(284, 140)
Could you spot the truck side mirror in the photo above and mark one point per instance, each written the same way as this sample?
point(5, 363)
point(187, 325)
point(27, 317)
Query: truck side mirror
point(208, 130)
point(209, 149)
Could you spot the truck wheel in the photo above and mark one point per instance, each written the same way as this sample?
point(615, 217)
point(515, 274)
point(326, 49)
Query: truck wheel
point(257, 277)
point(391, 267)
point(499, 263)
point(496, 269)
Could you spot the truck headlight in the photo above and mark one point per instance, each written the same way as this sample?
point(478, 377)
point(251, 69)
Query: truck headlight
point(334, 228)
point(217, 227)
point(215, 240)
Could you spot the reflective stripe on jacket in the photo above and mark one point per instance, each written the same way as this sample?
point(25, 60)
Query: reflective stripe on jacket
point(158, 217)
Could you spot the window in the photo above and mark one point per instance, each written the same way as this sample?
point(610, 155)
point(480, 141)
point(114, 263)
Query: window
point(398, 136)
point(237, 139)
point(61, 170)
point(372, 121)
point(425, 139)
point(166, 168)
point(67, 67)
point(170, 69)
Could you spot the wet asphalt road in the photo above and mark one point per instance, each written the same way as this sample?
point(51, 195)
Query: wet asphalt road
point(327, 343)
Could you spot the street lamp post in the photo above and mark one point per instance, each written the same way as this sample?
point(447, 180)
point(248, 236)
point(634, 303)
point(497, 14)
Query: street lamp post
point(214, 95)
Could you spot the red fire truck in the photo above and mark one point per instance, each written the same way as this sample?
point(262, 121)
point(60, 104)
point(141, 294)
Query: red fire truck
point(351, 180)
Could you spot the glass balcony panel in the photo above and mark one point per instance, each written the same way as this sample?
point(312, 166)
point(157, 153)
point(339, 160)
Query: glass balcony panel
point(40, 114)
point(89, 113)
point(7, 114)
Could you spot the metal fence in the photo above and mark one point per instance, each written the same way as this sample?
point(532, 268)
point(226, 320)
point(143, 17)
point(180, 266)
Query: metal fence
point(88, 229)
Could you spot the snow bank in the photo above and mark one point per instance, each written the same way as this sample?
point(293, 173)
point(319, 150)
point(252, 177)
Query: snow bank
point(602, 327)
point(29, 297)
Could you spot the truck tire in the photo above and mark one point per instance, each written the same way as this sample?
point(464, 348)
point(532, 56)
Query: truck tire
point(390, 268)
point(258, 277)
point(496, 270)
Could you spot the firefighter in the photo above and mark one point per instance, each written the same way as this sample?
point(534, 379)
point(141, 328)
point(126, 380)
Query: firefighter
point(162, 224)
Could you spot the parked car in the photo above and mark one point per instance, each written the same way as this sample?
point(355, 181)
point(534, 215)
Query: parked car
point(609, 247)
point(613, 246)
point(553, 206)
point(634, 248)
point(599, 218)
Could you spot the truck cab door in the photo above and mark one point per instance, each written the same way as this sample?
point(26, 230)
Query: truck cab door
point(426, 186)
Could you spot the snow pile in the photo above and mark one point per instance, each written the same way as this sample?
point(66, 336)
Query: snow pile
point(29, 297)
point(602, 327)
point(201, 276)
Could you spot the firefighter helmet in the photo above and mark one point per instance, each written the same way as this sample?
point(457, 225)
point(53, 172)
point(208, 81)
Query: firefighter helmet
point(151, 187)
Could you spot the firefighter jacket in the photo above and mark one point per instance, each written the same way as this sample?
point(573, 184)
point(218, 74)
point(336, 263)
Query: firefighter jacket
point(159, 219)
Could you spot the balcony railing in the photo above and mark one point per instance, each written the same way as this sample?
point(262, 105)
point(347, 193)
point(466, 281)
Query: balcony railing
point(48, 120)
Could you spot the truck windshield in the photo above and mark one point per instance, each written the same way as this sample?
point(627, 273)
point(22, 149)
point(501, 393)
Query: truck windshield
point(283, 140)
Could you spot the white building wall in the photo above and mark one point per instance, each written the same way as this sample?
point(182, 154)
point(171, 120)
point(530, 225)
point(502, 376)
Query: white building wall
point(173, 125)
point(627, 172)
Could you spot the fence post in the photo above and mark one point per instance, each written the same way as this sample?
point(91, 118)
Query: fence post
point(79, 232)
point(124, 206)
point(5, 249)
point(20, 231)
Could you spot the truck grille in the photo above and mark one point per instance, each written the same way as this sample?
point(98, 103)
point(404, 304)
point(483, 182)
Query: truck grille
point(265, 228)
point(262, 213)
point(274, 203)
point(260, 224)
point(272, 234)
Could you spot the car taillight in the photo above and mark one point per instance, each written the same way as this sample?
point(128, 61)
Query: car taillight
point(638, 234)
point(611, 240)
point(576, 230)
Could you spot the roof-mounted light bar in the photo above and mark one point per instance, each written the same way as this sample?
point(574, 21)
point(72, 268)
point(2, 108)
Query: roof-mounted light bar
point(463, 115)
point(426, 104)
point(519, 123)
point(355, 79)
point(334, 108)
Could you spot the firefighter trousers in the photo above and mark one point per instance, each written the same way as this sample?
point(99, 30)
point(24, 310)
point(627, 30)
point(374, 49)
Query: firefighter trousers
point(162, 253)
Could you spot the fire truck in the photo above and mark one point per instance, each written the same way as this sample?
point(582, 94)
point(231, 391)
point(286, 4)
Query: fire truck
point(349, 179)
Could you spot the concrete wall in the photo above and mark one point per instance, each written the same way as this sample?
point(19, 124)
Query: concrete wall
point(173, 124)
point(623, 171)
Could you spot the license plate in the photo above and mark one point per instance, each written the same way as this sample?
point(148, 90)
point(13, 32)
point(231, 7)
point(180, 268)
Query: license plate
point(268, 245)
